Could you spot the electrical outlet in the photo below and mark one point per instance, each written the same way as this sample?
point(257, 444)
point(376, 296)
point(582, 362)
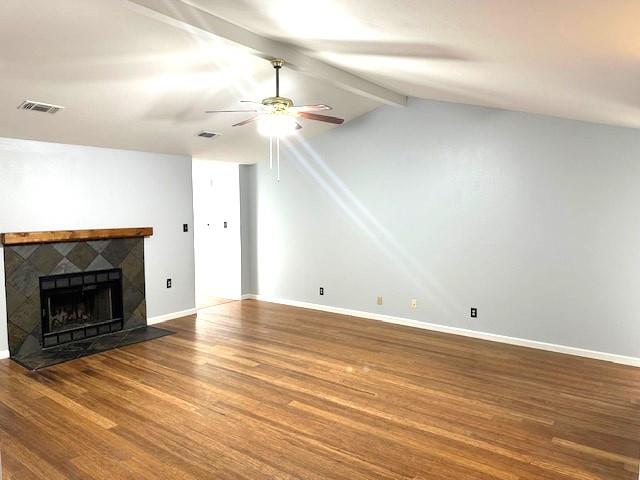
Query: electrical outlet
point(185, 227)
point(414, 303)
point(168, 283)
point(225, 224)
point(474, 312)
point(321, 290)
point(379, 300)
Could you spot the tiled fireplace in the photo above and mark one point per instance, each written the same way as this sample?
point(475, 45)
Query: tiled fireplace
point(72, 298)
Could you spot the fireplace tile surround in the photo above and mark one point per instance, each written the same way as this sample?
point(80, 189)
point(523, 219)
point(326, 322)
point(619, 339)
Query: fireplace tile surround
point(26, 264)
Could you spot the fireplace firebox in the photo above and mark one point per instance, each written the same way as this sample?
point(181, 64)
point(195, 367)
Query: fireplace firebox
point(80, 305)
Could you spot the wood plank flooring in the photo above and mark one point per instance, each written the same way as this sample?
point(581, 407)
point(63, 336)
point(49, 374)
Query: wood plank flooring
point(252, 390)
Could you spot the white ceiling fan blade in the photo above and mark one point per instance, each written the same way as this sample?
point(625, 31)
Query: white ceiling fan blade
point(321, 118)
point(245, 122)
point(310, 108)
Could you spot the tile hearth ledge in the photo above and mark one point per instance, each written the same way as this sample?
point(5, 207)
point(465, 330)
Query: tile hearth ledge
point(54, 236)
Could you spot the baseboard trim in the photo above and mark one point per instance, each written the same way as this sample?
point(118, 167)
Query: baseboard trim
point(522, 342)
point(4, 354)
point(170, 316)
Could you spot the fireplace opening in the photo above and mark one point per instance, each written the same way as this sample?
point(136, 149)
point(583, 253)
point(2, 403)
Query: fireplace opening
point(80, 305)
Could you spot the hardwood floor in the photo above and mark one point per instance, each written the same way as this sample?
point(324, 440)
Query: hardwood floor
point(210, 301)
point(252, 390)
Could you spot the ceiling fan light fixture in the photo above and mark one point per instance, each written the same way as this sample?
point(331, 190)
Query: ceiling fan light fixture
point(277, 117)
point(276, 125)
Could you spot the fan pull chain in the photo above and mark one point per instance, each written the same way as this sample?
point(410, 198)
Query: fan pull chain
point(271, 153)
point(278, 155)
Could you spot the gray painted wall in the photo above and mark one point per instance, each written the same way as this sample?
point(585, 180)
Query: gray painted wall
point(534, 220)
point(248, 210)
point(46, 186)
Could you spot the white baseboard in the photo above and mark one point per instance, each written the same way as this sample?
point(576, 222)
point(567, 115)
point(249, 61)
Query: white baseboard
point(4, 354)
point(580, 352)
point(170, 316)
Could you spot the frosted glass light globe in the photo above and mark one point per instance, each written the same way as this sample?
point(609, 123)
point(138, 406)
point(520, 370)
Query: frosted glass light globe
point(276, 125)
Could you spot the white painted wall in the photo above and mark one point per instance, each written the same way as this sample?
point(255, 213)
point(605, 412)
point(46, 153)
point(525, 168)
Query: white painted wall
point(216, 199)
point(46, 186)
point(534, 220)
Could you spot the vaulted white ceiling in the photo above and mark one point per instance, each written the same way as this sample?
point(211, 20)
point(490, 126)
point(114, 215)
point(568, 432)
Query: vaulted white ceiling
point(128, 80)
point(570, 58)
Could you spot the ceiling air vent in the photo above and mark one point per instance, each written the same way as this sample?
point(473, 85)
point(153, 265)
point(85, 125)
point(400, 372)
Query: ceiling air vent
point(207, 134)
point(39, 107)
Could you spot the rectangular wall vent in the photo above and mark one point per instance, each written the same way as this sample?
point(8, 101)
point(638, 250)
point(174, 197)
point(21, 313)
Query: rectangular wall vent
point(207, 134)
point(39, 107)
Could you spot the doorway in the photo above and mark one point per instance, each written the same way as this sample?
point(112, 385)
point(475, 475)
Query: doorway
point(216, 233)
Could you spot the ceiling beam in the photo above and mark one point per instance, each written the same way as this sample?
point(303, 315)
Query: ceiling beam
point(193, 19)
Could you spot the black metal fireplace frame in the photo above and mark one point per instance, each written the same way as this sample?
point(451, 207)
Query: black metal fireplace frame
point(72, 282)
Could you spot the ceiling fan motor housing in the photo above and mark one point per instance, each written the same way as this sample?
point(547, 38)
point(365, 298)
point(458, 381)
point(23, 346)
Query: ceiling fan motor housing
point(278, 104)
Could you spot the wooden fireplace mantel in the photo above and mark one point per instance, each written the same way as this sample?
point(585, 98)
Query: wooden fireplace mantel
point(24, 238)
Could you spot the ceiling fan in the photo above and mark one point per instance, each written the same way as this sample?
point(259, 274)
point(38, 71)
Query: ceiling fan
point(277, 116)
